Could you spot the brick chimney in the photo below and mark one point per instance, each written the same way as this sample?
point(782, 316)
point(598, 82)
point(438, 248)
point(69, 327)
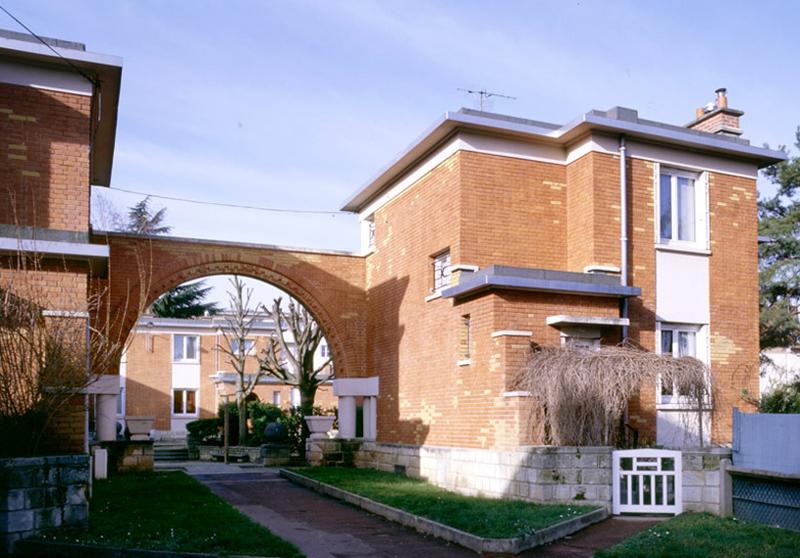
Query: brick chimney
point(717, 118)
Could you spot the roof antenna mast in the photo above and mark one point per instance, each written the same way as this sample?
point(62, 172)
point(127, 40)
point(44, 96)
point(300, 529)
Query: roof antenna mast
point(483, 95)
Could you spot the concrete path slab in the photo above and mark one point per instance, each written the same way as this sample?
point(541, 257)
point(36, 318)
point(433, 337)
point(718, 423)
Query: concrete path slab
point(326, 528)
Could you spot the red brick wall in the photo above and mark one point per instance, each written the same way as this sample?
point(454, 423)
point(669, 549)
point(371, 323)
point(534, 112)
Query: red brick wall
point(734, 297)
point(512, 212)
point(45, 154)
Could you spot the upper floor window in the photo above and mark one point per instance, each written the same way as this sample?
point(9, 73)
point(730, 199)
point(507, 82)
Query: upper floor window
point(441, 271)
point(324, 351)
point(249, 344)
point(681, 207)
point(185, 348)
point(465, 338)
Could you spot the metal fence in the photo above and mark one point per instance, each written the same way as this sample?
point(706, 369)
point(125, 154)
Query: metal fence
point(765, 477)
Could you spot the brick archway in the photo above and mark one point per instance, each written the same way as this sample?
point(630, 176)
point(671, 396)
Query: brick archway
point(329, 284)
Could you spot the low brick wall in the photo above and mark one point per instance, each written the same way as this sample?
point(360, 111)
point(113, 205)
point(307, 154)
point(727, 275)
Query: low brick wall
point(39, 493)
point(536, 473)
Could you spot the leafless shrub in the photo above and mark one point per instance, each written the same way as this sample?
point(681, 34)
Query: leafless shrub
point(50, 350)
point(579, 396)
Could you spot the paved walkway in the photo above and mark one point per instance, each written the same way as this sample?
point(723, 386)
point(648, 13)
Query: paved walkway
point(326, 528)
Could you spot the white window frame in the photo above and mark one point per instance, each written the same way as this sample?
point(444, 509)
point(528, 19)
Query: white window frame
point(276, 397)
point(701, 350)
point(185, 337)
point(247, 351)
point(441, 279)
point(700, 179)
point(183, 406)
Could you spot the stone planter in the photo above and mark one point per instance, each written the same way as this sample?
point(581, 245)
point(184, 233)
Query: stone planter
point(319, 426)
point(140, 427)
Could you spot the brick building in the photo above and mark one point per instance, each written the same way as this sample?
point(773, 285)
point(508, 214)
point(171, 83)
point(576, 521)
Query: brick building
point(490, 232)
point(174, 370)
point(58, 127)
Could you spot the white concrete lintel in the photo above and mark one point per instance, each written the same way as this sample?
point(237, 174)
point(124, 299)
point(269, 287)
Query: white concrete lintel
point(564, 320)
point(356, 387)
point(107, 384)
point(512, 333)
point(516, 394)
point(47, 247)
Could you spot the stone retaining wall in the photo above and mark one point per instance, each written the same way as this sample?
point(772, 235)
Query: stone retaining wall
point(535, 473)
point(39, 493)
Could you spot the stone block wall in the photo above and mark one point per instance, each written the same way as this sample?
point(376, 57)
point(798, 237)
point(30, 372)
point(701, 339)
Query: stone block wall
point(40, 493)
point(544, 474)
point(702, 479)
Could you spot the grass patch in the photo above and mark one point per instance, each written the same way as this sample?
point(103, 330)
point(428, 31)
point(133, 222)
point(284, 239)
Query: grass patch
point(696, 535)
point(484, 517)
point(170, 511)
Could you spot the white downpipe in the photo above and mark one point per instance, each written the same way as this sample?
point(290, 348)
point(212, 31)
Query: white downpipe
point(623, 226)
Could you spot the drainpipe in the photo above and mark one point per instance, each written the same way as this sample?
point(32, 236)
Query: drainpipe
point(623, 228)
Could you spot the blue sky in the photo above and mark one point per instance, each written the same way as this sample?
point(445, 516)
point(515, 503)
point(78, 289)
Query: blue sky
point(297, 105)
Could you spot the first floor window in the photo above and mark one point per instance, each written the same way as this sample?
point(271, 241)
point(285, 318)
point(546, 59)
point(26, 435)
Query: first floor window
point(185, 348)
point(677, 341)
point(184, 402)
point(276, 397)
point(121, 402)
point(441, 271)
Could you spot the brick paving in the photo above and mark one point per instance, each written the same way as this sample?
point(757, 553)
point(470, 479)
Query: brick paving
point(326, 528)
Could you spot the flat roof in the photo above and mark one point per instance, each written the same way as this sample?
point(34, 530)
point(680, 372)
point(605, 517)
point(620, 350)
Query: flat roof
point(106, 70)
point(618, 120)
point(543, 280)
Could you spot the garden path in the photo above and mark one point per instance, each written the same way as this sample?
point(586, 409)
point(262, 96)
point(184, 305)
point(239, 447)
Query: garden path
point(326, 528)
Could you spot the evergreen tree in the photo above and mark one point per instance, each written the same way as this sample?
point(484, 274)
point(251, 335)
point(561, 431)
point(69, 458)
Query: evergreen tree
point(184, 301)
point(779, 255)
point(142, 220)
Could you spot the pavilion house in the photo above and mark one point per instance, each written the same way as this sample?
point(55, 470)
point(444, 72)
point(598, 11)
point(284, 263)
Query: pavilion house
point(487, 234)
point(176, 370)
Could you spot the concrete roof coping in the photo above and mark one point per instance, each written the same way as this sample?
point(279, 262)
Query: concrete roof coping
point(618, 120)
point(544, 280)
point(104, 69)
point(565, 320)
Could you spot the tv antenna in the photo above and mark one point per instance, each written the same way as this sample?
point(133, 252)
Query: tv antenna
point(483, 95)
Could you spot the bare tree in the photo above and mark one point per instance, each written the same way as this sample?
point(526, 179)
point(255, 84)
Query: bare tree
point(238, 325)
point(292, 360)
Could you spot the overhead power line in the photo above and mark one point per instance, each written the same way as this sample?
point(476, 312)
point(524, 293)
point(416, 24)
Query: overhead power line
point(48, 45)
point(234, 205)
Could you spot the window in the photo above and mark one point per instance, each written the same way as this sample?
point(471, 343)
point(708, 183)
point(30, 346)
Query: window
point(276, 397)
point(464, 338)
point(678, 341)
point(184, 402)
point(591, 343)
point(248, 346)
point(324, 351)
point(441, 271)
point(371, 234)
point(295, 397)
point(680, 207)
point(121, 402)
point(185, 348)
point(148, 343)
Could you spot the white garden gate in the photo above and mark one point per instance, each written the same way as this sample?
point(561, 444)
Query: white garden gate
point(646, 481)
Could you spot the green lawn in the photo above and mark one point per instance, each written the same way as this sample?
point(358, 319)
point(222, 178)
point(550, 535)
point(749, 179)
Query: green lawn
point(485, 517)
point(170, 511)
point(693, 535)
